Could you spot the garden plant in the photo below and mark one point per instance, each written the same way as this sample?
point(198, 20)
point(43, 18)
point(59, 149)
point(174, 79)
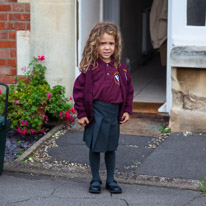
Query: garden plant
point(202, 185)
point(32, 102)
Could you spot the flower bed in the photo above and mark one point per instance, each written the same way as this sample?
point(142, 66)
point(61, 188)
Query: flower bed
point(16, 144)
point(32, 102)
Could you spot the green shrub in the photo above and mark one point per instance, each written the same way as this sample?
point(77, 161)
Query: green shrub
point(32, 102)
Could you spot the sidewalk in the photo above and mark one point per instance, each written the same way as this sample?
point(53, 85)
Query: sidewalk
point(179, 160)
point(26, 190)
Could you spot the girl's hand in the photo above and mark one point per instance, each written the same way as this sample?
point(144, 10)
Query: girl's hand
point(125, 117)
point(83, 121)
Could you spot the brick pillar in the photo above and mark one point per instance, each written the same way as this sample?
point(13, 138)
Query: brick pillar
point(13, 17)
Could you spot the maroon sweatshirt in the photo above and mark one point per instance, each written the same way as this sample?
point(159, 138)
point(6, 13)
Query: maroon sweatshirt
point(106, 84)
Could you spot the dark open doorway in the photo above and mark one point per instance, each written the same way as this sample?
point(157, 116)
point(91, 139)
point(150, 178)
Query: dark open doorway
point(147, 69)
point(147, 66)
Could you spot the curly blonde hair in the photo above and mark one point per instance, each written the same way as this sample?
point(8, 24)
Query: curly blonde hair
point(90, 54)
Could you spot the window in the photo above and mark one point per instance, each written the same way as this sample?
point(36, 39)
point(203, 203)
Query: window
point(196, 10)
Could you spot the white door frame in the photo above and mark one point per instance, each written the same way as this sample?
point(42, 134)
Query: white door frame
point(168, 104)
point(83, 30)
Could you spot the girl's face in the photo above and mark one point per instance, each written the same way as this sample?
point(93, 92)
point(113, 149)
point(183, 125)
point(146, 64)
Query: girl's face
point(106, 47)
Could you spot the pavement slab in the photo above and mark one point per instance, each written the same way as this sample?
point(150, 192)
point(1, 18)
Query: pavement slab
point(132, 150)
point(179, 156)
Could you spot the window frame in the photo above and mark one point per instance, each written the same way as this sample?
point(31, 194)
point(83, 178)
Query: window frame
point(183, 34)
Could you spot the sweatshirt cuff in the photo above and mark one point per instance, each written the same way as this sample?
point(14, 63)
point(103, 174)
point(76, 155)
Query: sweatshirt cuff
point(82, 114)
point(128, 111)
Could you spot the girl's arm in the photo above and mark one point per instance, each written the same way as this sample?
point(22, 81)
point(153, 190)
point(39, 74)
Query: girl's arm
point(130, 94)
point(78, 95)
point(129, 99)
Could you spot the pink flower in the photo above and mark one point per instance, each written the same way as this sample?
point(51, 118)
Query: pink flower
point(60, 114)
point(32, 132)
point(73, 111)
point(23, 132)
point(48, 95)
point(41, 58)
point(70, 98)
point(42, 131)
point(0, 91)
point(23, 122)
point(67, 115)
point(71, 119)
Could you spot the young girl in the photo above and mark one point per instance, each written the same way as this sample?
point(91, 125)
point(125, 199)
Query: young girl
point(103, 96)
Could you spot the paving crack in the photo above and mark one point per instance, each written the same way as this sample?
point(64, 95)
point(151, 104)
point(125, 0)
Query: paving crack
point(25, 200)
point(53, 191)
point(125, 201)
point(193, 199)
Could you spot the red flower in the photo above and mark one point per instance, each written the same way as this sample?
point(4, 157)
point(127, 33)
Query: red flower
point(48, 95)
point(41, 58)
point(71, 119)
point(73, 111)
point(70, 98)
point(0, 91)
point(23, 132)
point(24, 122)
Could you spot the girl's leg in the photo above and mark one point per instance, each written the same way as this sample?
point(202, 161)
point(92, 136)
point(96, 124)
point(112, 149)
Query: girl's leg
point(111, 184)
point(94, 159)
point(110, 165)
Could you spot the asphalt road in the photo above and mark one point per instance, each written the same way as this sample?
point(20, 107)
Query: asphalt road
point(30, 190)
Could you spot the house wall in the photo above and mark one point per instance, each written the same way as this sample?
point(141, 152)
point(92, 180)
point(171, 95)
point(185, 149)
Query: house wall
point(52, 34)
point(188, 112)
point(188, 74)
point(186, 71)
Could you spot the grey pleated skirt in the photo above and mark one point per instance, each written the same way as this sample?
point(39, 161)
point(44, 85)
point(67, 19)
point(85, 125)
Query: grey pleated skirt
point(102, 134)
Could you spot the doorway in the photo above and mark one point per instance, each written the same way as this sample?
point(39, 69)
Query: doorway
point(146, 65)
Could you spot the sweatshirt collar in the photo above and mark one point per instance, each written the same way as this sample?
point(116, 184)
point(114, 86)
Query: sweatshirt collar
point(102, 63)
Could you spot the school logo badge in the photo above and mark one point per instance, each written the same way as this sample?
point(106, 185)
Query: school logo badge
point(116, 78)
point(125, 73)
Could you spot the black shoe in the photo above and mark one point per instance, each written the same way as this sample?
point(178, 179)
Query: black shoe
point(95, 187)
point(113, 187)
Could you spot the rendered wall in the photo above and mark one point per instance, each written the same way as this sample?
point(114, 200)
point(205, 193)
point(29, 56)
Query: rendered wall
point(53, 35)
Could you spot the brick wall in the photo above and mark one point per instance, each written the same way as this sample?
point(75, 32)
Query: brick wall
point(13, 17)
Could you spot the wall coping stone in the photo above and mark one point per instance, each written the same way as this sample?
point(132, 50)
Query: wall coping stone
point(188, 56)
